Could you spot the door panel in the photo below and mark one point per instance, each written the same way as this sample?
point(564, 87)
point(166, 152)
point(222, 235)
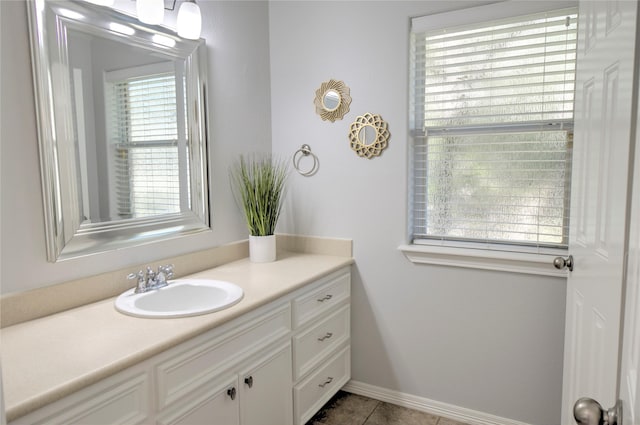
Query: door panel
point(630, 367)
point(265, 390)
point(603, 122)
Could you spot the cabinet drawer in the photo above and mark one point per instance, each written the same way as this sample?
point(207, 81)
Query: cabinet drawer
point(312, 345)
point(321, 299)
point(314, 391)
point(188, 369)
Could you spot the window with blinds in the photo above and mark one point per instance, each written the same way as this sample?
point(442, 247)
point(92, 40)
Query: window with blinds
point(145, 145)
point(491, 128)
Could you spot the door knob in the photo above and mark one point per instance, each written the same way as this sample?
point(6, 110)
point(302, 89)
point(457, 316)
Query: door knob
point(587, 411)
point(561, 262)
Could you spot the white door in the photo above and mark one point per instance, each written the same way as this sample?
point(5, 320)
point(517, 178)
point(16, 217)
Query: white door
point(630, 367)
point(603, 122)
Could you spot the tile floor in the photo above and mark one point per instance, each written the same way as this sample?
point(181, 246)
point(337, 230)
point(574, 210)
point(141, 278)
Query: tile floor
point(351, 409)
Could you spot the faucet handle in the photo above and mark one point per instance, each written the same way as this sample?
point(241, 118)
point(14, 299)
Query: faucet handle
point(151, 275)
point(139, 275)
point(167, 270)
point(141, 284)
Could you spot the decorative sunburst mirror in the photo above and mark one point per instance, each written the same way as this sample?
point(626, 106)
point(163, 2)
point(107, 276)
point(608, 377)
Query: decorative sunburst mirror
point(369, 135)
point(332, 100)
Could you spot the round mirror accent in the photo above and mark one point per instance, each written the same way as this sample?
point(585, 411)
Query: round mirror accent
point(369, 135)
point(332, 100)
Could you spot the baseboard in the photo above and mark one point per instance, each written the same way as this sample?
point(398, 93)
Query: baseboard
point(437, 408)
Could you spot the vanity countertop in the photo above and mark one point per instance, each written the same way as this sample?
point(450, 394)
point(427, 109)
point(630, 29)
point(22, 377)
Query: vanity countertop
point(49, 358)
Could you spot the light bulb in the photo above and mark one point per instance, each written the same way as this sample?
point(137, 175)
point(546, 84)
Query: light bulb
point(150, 11)
point(189, 20)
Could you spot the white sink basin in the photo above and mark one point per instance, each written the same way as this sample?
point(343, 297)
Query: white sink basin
point(181, 298)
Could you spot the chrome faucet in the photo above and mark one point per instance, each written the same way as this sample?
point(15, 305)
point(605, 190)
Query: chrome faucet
point(152, 280)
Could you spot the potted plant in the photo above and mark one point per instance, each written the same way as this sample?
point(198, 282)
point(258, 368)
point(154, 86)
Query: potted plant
point(258, 183)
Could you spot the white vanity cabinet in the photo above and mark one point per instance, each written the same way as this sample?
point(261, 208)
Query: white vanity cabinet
point(120, 399)
point(321, 343)
point(275, 365)
point(257, 395)
point(213, 403)
point(265, 390)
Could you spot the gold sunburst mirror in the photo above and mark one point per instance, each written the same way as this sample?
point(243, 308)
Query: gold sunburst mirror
point(369, 135)
point(332, 100)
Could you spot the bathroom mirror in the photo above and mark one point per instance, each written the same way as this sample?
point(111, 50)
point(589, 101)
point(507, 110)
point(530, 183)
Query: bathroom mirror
point(332, 100)
point(369, 135)
point(122, 131)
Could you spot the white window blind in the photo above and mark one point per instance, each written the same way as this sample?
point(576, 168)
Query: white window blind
point(491, 126)
point(145, 147)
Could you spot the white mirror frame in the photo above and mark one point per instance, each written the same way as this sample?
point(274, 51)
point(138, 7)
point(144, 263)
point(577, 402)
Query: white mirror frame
point(67, 236)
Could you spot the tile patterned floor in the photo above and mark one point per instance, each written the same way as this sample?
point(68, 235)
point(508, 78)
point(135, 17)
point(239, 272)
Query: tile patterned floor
point(351, 409)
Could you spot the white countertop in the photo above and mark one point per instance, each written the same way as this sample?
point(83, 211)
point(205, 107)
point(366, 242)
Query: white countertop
point(46, 359)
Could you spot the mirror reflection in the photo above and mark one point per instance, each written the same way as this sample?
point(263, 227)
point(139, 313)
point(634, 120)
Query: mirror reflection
point(367, 135)
point(331, 100)
point(122, 128)
point(131, 138)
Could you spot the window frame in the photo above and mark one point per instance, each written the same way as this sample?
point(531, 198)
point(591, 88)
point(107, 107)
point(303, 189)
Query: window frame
point(473, 254)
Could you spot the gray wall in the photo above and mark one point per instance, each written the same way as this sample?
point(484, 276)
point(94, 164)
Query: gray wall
point(483, 340)
point(238, 49)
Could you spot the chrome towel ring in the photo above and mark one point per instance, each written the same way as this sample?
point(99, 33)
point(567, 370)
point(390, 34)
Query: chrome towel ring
point(305, 150)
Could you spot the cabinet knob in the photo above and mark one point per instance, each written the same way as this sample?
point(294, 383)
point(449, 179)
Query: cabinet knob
point(231, 392)
point(325, 383)
point(325, 298)
point(326, 336)
point(249, 381)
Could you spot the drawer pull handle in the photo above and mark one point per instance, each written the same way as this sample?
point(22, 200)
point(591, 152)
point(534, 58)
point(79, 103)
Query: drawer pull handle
point(231, 392)
point(325, 298)
point(325, 383)
point(327, 336)
point(249, 381)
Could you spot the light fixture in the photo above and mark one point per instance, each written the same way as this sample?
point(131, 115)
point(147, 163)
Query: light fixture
point(102, 2)
point(150, 11)
point(189, 20)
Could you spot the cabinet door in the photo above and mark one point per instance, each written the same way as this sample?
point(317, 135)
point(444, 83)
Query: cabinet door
point(265, 389)
point(215, 405)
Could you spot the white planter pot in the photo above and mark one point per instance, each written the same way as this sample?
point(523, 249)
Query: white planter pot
point(262, 249)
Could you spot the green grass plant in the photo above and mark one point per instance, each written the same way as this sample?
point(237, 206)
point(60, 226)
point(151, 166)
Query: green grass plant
point(258, 183)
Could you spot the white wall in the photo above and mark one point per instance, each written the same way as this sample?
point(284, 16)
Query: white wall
point(483, 340)
point(487, 341)
point(239, 118)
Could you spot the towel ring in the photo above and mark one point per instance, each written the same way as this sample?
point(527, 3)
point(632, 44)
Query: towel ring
point(305, 150)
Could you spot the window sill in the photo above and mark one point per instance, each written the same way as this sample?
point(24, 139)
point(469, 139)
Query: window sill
point(505, 261)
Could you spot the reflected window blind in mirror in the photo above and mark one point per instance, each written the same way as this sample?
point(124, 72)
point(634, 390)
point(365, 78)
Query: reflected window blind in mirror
point(144, 142)
point(491, 127)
